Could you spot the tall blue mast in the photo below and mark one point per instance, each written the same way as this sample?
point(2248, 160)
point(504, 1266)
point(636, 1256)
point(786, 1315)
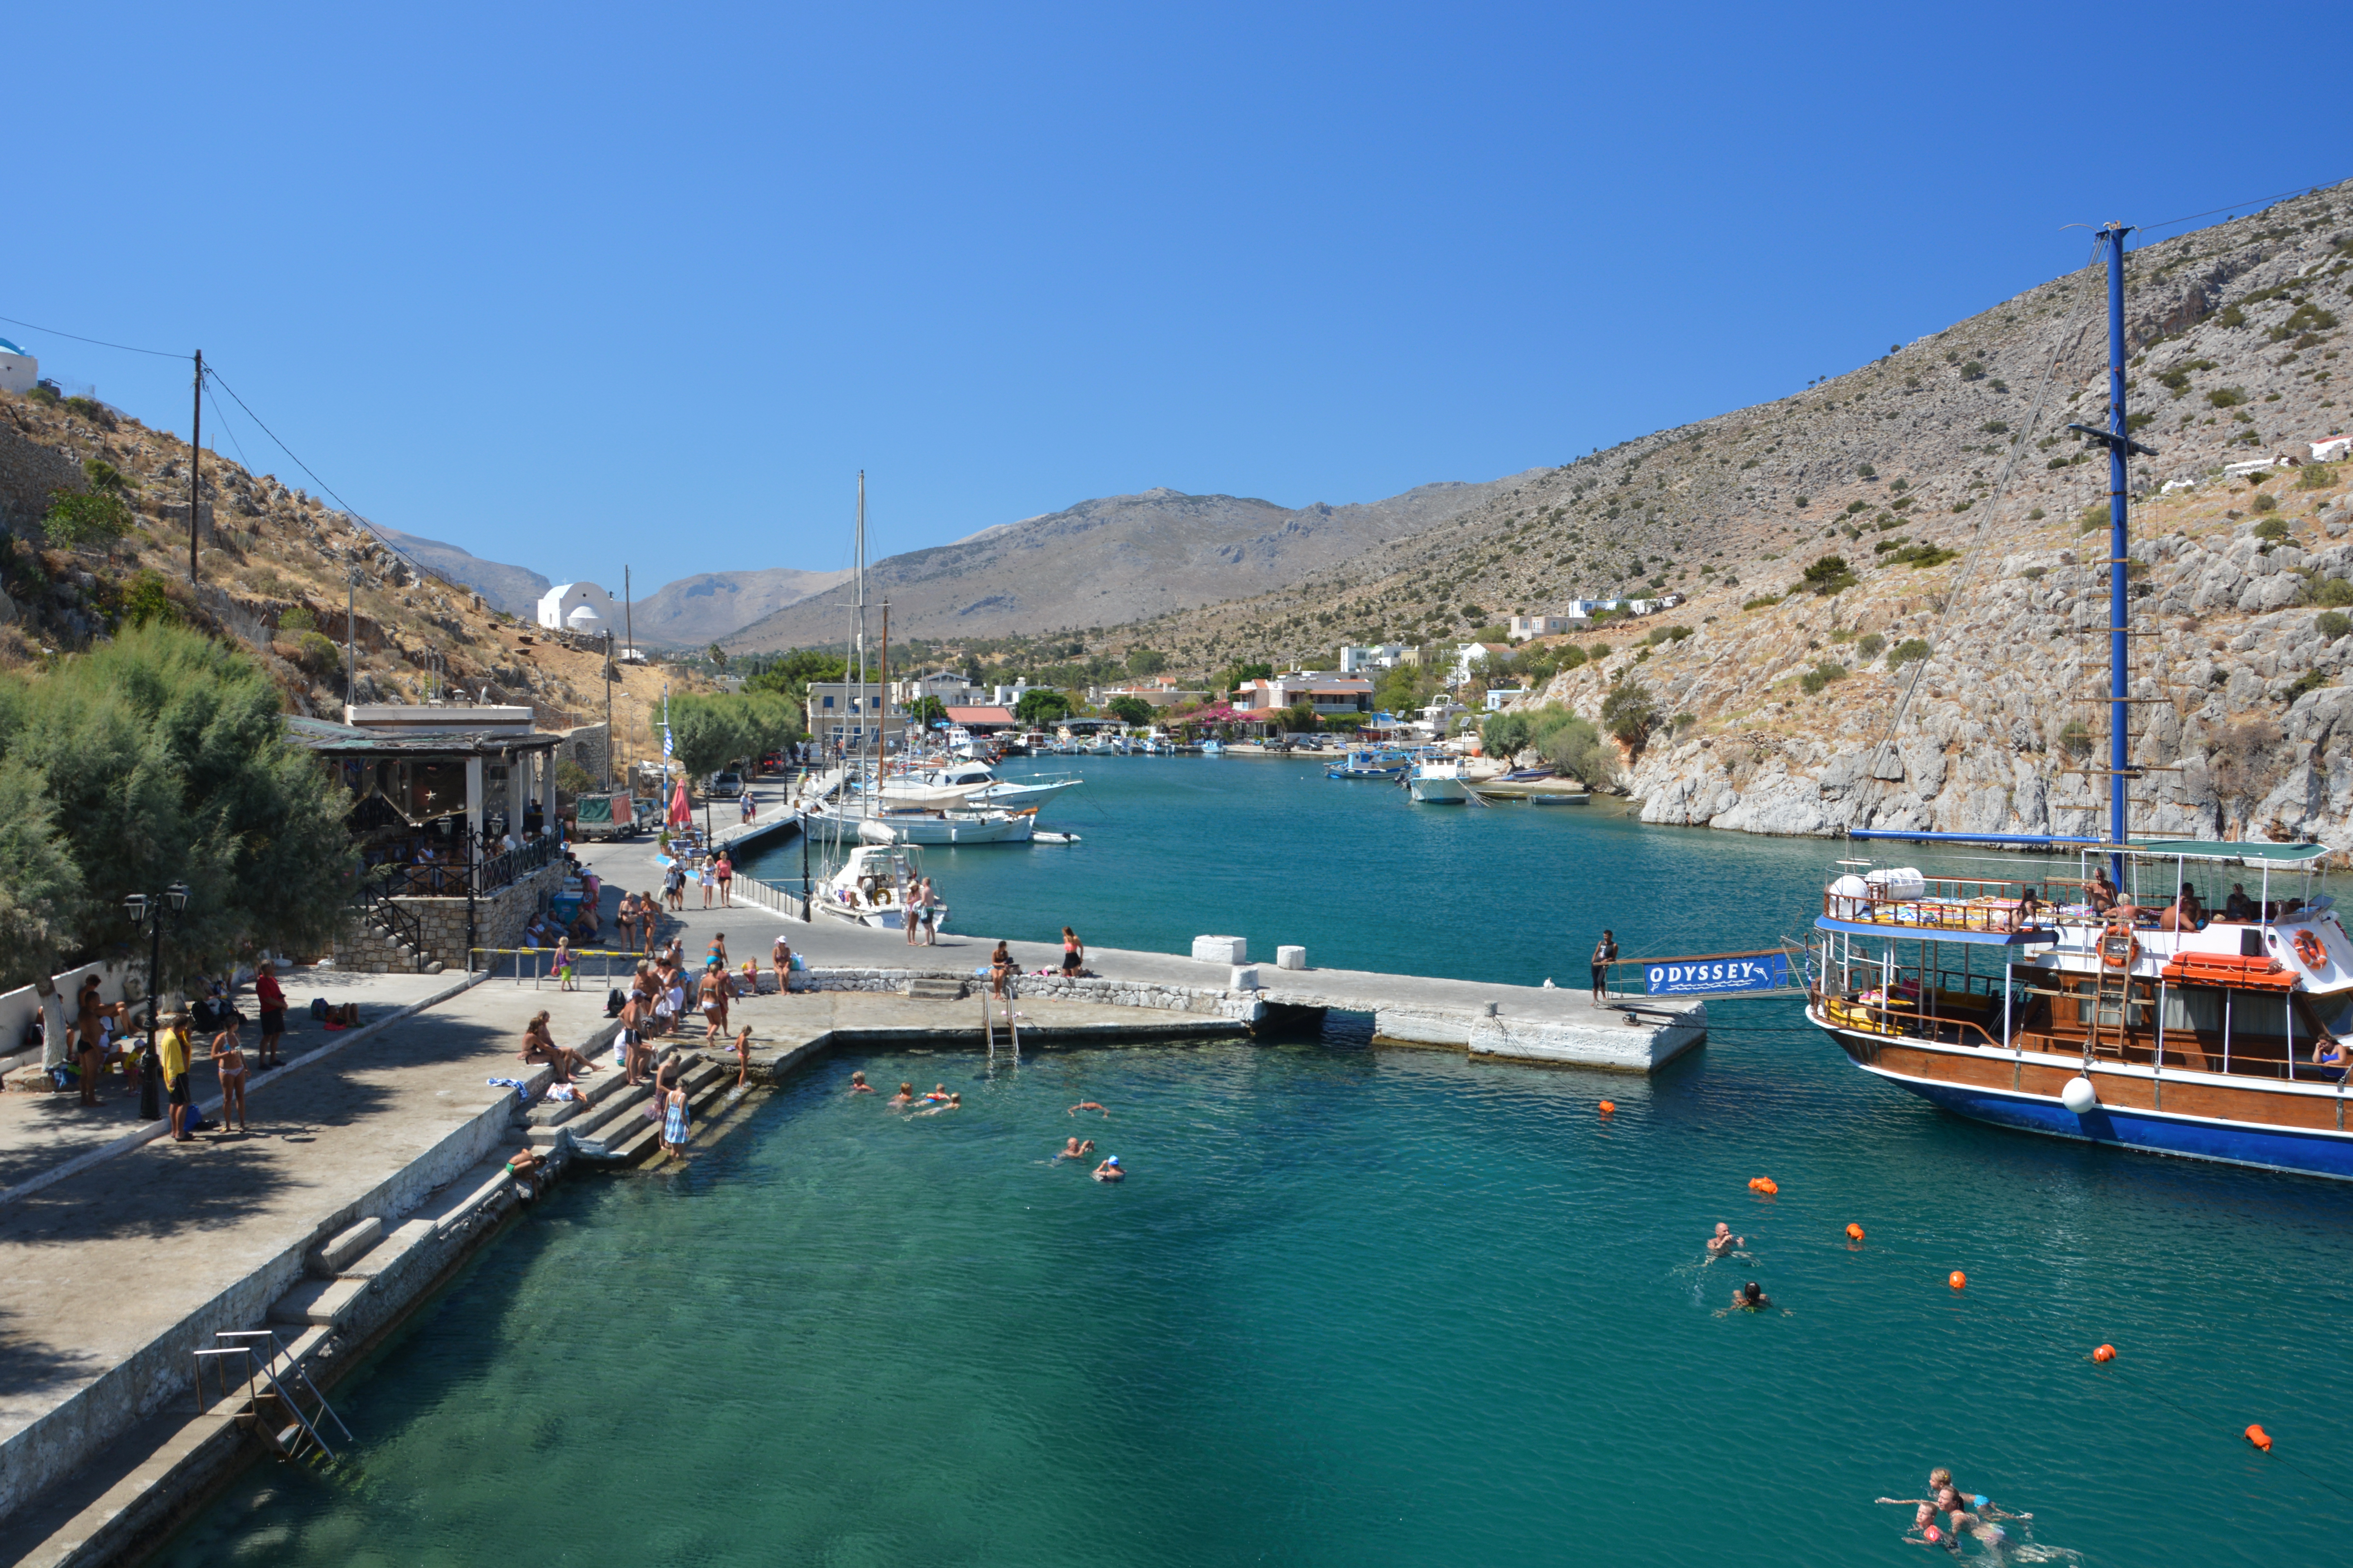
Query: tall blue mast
point(2121, 446)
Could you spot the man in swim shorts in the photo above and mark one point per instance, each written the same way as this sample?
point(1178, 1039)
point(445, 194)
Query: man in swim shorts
point(1076, 1149)
point(1084, 1105)
point(1109, 1171)
point(1722, 1243)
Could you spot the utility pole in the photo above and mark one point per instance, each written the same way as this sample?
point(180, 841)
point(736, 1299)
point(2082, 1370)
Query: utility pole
point(608, 708)
point(350, 640)
point(197, 467)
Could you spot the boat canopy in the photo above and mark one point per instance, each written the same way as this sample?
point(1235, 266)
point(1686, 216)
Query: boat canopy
point(2031, 937)
point(2226, 849)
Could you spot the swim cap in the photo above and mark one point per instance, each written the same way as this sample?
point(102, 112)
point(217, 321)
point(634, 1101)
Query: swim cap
point(1979, 1501)
point(1114, 1160)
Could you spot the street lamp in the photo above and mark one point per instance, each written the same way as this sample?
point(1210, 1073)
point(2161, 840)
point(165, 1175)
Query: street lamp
point(149, 910)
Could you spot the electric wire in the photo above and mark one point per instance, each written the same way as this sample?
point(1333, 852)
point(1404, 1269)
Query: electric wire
point(101, 342)
point(2257, 204)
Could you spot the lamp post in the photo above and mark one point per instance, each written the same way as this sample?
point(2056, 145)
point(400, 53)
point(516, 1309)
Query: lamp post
point(149, 910)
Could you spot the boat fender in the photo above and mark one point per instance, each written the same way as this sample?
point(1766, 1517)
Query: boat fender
point(2106, 1353)
point(1956, 1280)
point(2260, 1438)
point(2079, 1096)
point(2308, 949)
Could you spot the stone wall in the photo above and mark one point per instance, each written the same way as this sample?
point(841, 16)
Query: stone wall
point(28, 472)
point(1244, 1007)
point(499, 920)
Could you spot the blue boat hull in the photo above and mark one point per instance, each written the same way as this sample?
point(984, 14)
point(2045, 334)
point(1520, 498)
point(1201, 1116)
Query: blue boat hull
point(2311, 1153)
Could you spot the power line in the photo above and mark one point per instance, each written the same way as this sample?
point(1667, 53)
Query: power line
point(101, 342)
point(2257, 204)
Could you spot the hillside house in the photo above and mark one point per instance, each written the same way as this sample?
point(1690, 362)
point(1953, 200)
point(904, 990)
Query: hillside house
point(19, 372)
point(1329, 695)
point(1526, 627)
point(1475, 657)
point(848, 714)
point(1382, 656)
point(581, 607)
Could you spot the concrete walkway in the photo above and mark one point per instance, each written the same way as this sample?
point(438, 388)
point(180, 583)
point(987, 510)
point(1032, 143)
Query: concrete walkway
point(39, 1132)
point(750, 929)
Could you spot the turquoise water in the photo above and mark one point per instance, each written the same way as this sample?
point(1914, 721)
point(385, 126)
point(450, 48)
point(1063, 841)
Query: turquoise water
point(1173, 847)
point(1361, 1306)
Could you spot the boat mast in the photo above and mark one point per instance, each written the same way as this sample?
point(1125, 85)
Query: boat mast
point(2121, 446)
point(858, 707)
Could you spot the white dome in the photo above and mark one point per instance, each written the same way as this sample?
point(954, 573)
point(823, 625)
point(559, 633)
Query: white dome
point(584, 619)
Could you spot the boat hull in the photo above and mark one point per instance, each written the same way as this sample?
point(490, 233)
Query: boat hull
point(2262, 1124)
point(933, 830)
point(1439, 792)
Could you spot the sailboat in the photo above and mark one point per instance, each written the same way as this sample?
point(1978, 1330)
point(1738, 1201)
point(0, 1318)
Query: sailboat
point(2193, 1026)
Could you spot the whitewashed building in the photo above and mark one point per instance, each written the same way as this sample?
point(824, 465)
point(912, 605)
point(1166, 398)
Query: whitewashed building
point(18, 370)
point(1381, 655)
point(561, 608)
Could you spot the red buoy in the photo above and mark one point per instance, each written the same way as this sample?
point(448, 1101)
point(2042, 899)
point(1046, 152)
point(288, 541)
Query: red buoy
point(2106, 1353)
point(1956, 1280)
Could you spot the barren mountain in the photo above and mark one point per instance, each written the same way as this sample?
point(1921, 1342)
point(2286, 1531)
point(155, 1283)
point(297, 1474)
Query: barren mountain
point(1103, 562)
point(514, 589)
point(697, 610)
point(2235, 333)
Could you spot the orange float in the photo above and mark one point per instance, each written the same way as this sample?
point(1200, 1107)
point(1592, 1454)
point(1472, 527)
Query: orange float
point(1608, 1107)
point(2260, 1438)
point(2308, 949)
point(2106, 1353)
point(1956, 1280)
point(1765, 1184)
point(1854, 1233)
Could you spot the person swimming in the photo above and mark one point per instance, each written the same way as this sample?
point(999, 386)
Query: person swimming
point(906, 1096)
point(1076, 1149)
point(1721, 1244)
point(952, 1102)
point(857, 1084)
point(939, 1094)
point(1084, 1105)
point(1109, 1171)
point(1751, 1298)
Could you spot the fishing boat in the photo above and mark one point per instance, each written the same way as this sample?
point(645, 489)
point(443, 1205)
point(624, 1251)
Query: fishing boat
point(1438, 781)
point(2209, 1028)
point(870, 889)
point(1386, 763)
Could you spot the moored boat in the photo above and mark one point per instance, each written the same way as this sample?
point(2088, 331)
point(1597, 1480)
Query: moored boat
point(1436, 781)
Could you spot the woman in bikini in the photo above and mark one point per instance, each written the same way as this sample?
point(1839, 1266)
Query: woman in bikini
point(539, 1046)
point(1000, 969)
point(228, 1058)
point(1074, 952)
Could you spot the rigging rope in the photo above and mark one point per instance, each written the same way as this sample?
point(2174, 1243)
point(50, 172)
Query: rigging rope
point(2059, 345)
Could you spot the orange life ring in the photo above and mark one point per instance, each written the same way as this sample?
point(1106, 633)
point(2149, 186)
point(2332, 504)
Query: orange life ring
point(2119, 949)
point(2308, 949)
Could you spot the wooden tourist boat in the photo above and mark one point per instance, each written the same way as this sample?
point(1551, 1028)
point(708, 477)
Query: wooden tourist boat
point(2217, 1044)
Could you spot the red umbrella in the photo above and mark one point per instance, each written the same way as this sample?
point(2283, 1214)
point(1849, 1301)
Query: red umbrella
point(680, 814)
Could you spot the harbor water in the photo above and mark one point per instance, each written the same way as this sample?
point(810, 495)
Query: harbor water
point(1357, 1305)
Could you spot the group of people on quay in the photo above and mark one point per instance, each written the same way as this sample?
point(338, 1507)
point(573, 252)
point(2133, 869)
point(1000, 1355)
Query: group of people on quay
point(103, 1040)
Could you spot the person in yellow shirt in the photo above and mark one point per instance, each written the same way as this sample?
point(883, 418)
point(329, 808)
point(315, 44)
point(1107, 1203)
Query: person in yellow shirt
point(172, 1046)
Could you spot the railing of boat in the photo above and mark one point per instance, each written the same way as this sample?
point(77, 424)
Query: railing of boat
point(1948, 909)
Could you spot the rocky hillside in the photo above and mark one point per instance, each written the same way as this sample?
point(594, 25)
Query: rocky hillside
point(1102, 562)
point(274, 563)
point(516, 590)
point(2236, 333)
point(696, 611)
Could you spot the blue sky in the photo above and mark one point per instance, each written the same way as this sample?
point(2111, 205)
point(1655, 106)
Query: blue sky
point(587, 285)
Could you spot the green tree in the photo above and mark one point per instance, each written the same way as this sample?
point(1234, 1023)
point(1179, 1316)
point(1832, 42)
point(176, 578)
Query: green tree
point(159, 757)
point(1040, 706)
point(1129, 709)
point(83, 520)
point(708, 733)
point(1630, 712)
point(717, 655)
point(927, 711)
point(1235, 675)
point(1143, 662)
point(1504, 734)
point(1299, 719)
point(1830, 574)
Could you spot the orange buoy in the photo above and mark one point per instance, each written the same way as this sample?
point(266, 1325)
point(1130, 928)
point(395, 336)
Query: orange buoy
point(1956, 1280)
point(1771, 1185)
point(1932, 1535)
point(1608, 1107)
point(1763, 1184)
point(2260, 1438)
point(2106, 1353)
point(1854, 1233)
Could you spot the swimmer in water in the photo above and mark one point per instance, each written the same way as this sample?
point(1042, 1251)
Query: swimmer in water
point(1967, 1520)
point(1084, 1105)
point(857, 1084)
point(1076, 1149)
point(952, 1102)
point(1924, 1520)
point(1721, 1244)
point(939, 1095)
point(1109, 1171)
point(1751, 1298)
point(906, 1096)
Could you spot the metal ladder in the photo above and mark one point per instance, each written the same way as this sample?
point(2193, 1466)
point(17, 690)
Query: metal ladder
point(989, 1022)
point(235, 1353)
point(2111, 987)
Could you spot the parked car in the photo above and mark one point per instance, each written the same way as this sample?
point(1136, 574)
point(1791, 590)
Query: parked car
point(725, 786)
point(772, 762)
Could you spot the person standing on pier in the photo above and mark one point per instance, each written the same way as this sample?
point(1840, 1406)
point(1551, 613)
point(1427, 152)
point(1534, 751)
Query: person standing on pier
point(1605, 953)
point(270, 998)
point(725, 871)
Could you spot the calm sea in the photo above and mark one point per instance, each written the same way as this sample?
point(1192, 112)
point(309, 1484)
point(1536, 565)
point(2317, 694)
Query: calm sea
point(1356, 1306)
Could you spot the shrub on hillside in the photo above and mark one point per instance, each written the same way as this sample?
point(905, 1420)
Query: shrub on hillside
point(1869, 645)
point(1830, 574)
point(2227, 396)
point(1821, 675)
point(2315, 477)
point(80, 520)
point(1907, 650)
point(2332, 624)
point(2333, 592)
